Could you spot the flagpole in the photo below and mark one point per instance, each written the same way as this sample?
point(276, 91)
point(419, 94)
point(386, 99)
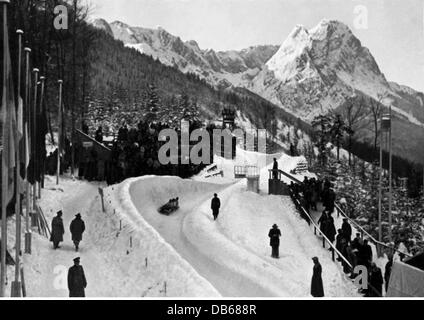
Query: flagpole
point(34, 141)
point(42, 79)
point(60, 132)
point(27, 153)
point(4, 170)
point(390, 175)
point(16, 285)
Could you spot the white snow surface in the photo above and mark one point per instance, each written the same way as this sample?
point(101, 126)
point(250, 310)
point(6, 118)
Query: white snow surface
point(133, 251)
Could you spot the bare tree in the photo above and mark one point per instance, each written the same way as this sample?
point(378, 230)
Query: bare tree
point(354, 114)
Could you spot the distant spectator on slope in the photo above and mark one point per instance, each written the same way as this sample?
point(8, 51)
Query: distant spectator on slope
point(388, 272)
point(76, 280)
point(274, 241)
point(366, 253)
point(77, 229)
point(57, 230)
point(376, 282)
point(317, 287)
point(84, 128)
point(356, 243)
point(347, 230)
point(275, 170)
point(99, 135)
point(215, 206)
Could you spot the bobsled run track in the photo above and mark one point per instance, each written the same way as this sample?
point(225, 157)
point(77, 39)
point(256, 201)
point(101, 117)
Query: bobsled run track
point(233, 253)
point(131, 250)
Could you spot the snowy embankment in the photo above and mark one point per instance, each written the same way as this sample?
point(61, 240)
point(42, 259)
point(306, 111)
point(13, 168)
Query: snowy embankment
point(132, 251)
point(233, 253)
point(113, 252)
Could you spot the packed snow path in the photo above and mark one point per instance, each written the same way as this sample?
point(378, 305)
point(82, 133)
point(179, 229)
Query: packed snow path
point(233, 253)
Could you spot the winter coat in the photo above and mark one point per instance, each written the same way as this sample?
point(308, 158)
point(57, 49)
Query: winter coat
point(215, 205)
point(76, 281)
point(274, 236)
point(322, 223)
point(57, 230)
point(340, 242)
point(330, 229)
point(77, 228)
point(317, 288)
point(366, 253)
point(376, 282)
point(347, 231)
point(388, 271)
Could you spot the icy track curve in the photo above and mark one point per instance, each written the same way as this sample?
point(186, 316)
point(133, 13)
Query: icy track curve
point(233, 253)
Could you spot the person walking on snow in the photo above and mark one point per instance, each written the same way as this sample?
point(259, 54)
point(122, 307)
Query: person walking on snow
point(274, 236)
point(76, 280)
point(57, 230)
point(317, 288)
point(347, 230)
point(215, 206)
point(77, 228)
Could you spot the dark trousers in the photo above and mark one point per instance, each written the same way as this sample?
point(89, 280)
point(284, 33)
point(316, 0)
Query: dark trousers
point(215, 214)
point(275, 252)
point(76, 243)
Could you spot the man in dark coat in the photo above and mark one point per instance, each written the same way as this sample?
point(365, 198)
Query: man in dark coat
point(340, 243)
point(317, 288)
point(275, 169)
point(347, 230)
point(76, 280)
point(366, 253)
point(387, 272)
point(274, 236)
point(215, 206)
point(330, 228)
point(356, 243)
point(99, 135)
point(57, 230)
point(376, 282)
point(77, 229)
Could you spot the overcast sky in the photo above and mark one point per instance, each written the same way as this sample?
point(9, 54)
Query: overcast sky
point(392, 29)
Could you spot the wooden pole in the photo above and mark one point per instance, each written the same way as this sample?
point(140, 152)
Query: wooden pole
point(27, 148)
point(60, 132)
point(380, 183)
point(16, 285)
point(34, 141)
point(4, 171)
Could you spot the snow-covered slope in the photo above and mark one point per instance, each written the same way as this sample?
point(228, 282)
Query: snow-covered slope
point(233, 253)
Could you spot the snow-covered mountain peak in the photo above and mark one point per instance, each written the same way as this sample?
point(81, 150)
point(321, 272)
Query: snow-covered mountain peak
point(119, 24)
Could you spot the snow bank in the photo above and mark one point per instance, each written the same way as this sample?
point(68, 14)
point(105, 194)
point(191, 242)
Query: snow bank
point(182, 280)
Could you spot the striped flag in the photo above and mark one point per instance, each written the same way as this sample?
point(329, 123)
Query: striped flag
point(8, 123)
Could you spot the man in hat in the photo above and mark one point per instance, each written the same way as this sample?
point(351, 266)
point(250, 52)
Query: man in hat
point(274, 236)
point(57, 230)
point(77, 229)
point(317, 288)
point(215, 206)
point(76, 280)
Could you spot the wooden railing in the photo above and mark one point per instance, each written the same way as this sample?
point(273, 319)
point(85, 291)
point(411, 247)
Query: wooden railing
point(363, 232)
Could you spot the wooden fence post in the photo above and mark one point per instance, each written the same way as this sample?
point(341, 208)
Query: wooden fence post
point(101, 197)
